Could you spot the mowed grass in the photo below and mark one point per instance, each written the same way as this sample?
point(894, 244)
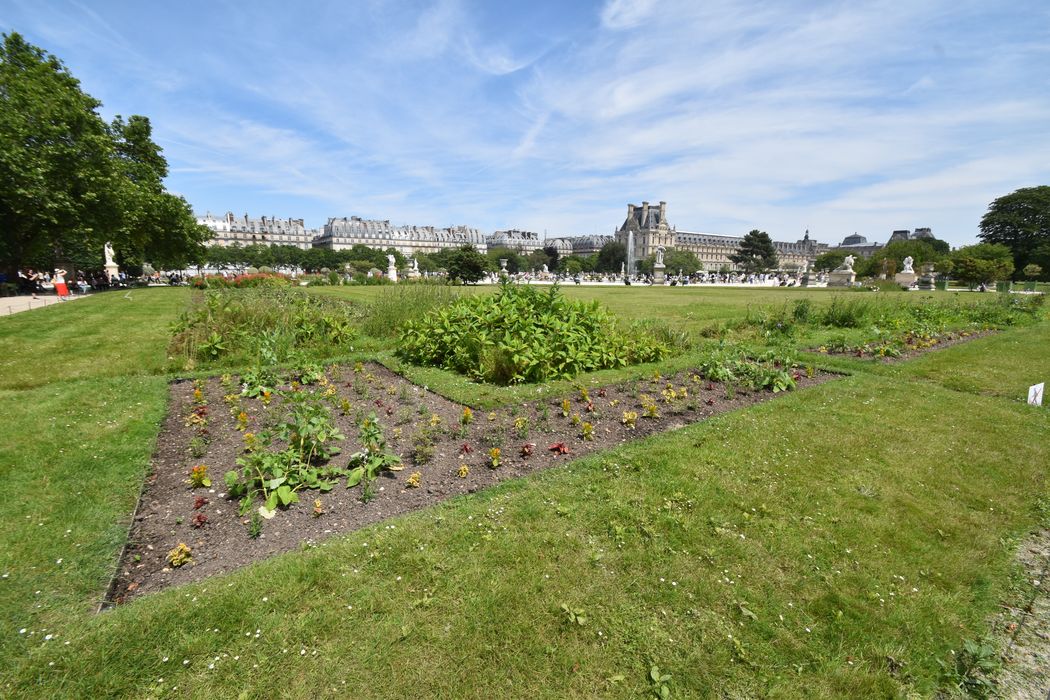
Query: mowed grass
point(111, 334)
point(791, 549)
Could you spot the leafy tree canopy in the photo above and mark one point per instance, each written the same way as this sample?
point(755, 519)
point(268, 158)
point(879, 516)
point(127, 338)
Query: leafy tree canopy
point(1021, 222)
point(982, 263)
point(611, 257)
point(756, 252)
point(465, 264)
point(69, 182)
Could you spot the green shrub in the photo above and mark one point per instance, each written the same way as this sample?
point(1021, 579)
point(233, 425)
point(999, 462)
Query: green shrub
point(522, 335)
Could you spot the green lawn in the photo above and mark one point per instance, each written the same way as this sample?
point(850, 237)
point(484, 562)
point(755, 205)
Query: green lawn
point(789, 550)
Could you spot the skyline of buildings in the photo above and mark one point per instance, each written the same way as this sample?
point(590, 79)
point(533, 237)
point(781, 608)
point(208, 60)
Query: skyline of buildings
point(648, 227)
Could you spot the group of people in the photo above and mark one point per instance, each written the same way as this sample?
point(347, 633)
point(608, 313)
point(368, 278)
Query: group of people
point(37, 282)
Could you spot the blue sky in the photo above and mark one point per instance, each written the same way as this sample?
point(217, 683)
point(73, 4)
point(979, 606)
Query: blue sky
point(552, 116)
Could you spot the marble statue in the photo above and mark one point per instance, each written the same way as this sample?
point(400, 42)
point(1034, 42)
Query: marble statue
point(908, 261)
point(847, 262)
point(108, 251)
point(660, 255)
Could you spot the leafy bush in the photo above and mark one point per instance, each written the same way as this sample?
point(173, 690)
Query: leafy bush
point(522, 335)
point(227, 326)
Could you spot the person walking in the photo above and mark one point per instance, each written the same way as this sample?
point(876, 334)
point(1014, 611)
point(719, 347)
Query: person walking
point(59, 280)
point(35, 279)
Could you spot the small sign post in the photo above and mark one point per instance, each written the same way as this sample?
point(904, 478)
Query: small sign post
point(1035, 394)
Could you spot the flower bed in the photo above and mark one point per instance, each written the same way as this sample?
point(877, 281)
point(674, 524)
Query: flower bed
point(195, 519)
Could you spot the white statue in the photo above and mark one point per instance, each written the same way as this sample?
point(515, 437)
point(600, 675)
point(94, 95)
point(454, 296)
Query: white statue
point(847, 263)
point(415, 265)
point(660, 255)
point(908, 261)
point(108, 251)
point(622, 268)
point(545, 270)
point(390, 261)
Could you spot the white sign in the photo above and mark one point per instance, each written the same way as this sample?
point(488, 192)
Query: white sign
point(1035, 395)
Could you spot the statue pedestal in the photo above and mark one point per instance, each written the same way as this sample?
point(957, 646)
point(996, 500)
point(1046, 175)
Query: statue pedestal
point(905, 279)
point(842, 278)
point(659, 274)
point(391, 272)
point(112, 273)
point(413, 274)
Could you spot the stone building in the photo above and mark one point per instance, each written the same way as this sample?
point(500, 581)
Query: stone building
point(649, 228)
point(230, 230)
point(588, 245)
point(524, 242)
point(345, 232)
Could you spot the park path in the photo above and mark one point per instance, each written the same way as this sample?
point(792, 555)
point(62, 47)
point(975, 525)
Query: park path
point(14, 305)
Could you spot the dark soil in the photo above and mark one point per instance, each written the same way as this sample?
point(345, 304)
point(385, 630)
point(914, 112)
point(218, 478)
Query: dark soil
point(219, 540)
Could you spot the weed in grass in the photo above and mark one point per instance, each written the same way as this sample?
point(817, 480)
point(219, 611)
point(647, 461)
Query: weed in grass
point(971, 668)
point(659, 683)
point(574, 616)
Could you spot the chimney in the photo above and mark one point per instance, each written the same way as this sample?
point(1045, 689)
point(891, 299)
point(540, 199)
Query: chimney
point(645, 213)
point(663, 212)
point(630, 211)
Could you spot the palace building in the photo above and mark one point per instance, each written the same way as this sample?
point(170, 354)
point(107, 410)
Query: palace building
point(648, 228)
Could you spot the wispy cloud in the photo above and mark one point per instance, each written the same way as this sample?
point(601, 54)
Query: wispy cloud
point(778, 115)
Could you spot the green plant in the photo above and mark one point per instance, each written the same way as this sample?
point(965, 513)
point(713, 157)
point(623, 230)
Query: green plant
point(587, 431)
point(971, 668)
point(522, 335)
point(422, 447)
point(659, 683)
point(198, 446)
point(521, 427)
point(366, 465)
point(574, 616)
point(255, 525)
point(630, 419)
point(494, 458)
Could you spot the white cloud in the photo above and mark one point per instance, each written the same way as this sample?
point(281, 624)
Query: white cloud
point(624, 14)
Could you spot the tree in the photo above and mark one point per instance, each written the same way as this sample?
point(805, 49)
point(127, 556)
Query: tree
point(465, 264)
point(69, 182)
point(1031, 271)
point(983, 263)
point(57, 185)
point(1021, 222)
point(829, 260)
point(756, 252)
point(683, 260)
point(611, 257)
point(516, 262)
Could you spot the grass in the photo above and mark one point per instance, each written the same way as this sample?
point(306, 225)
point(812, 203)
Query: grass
point(112, 334)
point(825, 508)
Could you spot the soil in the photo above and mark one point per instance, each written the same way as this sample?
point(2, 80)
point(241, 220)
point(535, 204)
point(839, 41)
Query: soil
point(170, 509)
point(1026, 656)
